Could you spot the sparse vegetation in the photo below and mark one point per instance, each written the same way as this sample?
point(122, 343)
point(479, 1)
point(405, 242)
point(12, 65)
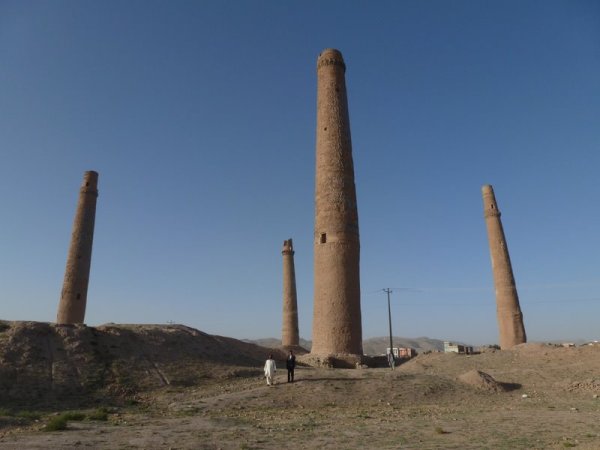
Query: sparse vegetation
point(101, 414)
point(74, 416)
point(56, 423)
point(192, 411)
point(29, 415)
point(61, 421)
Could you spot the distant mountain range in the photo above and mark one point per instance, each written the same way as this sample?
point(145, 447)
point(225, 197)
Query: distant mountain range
point(276, 343)
point(378, 345)
point(371, 346)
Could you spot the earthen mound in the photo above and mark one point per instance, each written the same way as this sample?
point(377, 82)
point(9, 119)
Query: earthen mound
point(532, 347)
point(482, 380)
point(45, 364)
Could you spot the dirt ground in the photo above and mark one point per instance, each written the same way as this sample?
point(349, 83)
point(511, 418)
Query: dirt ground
point(545, 397)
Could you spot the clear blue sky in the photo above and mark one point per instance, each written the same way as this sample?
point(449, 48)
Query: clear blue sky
point(200, 119)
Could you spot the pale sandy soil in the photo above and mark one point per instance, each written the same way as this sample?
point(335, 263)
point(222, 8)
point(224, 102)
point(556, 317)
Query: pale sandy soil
point(421, 404)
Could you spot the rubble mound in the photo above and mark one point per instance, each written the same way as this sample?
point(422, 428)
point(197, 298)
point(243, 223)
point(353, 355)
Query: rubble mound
point(481, 380)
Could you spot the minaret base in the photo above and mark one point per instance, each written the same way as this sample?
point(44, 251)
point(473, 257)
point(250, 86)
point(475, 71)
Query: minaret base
point(334, 361)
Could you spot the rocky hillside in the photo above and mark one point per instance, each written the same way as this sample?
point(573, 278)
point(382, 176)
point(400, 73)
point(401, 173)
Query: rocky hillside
point(275, 343)
point(378, 345)
point(372, 346)
point(45, 364)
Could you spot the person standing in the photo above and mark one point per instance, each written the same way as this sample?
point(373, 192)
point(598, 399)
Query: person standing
point(290, 364)
point(270, 369)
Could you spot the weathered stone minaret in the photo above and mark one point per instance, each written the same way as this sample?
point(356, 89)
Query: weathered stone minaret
point(510, 318)
point(337, 325)
point(290, 337)
point(73, 298)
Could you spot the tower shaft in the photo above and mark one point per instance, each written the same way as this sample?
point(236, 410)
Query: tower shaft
point(73, 299)
point(290, 336)
point(337, 325)
point(508, 310)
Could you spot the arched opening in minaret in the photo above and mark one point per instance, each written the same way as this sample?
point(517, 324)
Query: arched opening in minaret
point(323, 238)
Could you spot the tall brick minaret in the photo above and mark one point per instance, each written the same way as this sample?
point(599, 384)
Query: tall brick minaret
point(290, 337)
point(510, 318)
point(73, 298)
point(337, 327)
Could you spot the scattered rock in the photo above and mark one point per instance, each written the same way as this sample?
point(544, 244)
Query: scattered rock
point(589, 385)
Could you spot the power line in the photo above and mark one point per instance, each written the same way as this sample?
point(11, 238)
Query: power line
point(520, 287)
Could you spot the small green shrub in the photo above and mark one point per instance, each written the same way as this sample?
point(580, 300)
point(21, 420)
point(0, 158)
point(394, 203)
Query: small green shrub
point(440, 430)
point(74, 416)
point(60, 422)
point(57, 423)
point(99, 414)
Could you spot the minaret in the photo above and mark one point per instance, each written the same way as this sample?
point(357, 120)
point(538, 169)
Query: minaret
point(510, 318)
point(290, 338)
point(337, 325)
point(73, 298)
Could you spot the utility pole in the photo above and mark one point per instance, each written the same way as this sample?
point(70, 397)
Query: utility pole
point(391, 358)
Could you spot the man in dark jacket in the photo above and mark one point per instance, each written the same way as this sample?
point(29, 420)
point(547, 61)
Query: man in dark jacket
point(290, 363)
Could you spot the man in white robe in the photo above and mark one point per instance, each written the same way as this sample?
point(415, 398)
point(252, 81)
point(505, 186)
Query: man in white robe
point(270, 370)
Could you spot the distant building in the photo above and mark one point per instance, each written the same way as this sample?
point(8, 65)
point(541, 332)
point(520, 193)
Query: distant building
point(402, 352)
point(451, 347)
